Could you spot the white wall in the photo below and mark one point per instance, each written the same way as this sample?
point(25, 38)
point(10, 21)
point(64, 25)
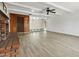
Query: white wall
point(68, 24)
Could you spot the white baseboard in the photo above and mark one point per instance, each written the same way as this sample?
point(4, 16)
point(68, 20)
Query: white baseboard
point(64, 33)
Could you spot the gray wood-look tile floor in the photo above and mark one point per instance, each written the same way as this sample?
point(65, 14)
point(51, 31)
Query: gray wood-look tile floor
point(48, 44)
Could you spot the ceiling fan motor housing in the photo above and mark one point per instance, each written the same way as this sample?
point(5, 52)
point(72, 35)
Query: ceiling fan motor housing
point(47, 11)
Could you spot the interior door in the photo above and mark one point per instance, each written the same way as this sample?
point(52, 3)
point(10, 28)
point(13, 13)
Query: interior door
point(20, 24)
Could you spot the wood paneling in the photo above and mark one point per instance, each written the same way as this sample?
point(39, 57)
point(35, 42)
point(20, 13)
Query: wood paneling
point(13, 25)
point(13, 22)
point(26, 24)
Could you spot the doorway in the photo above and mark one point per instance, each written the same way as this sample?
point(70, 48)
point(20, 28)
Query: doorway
point(20, 24)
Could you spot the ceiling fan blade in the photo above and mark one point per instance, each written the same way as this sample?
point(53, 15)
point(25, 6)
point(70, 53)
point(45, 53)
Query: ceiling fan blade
point(48, 10)
point(53, 12)
point(52, 9)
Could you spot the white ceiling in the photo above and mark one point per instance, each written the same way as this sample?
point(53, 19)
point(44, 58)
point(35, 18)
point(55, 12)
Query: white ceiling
point(73, 6)
point(35, 7)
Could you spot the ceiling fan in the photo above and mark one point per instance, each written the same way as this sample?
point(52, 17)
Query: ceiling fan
point(48, 10)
